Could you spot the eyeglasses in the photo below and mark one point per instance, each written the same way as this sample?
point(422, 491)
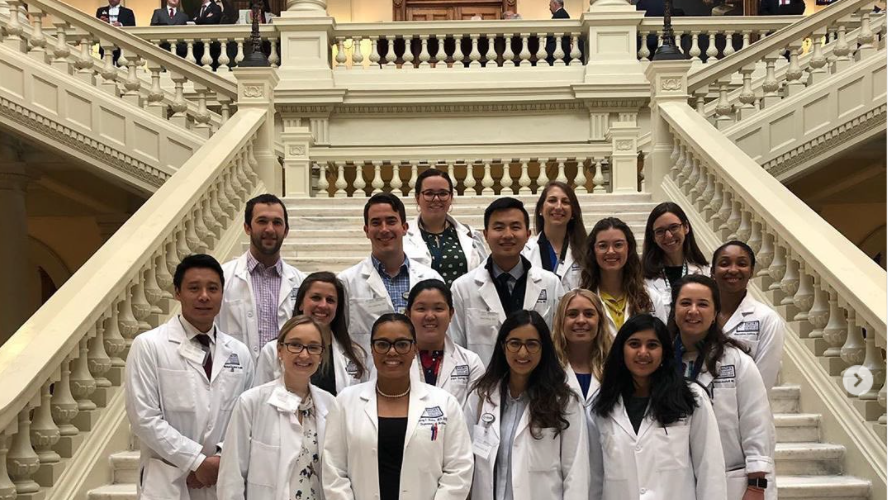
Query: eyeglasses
point(296, 348)
point(430, 195)
point(662, 231)
point(383, 346)
point(515, 345)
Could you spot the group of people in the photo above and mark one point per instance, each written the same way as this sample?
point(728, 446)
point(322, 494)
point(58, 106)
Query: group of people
point(453, 363)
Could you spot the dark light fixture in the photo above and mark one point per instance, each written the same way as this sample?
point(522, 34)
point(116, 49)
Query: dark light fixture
point(256, 59)
point(668, 51)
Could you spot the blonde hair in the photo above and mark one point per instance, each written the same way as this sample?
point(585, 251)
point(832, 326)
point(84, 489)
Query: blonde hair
point(601, 340)
point(302, 319)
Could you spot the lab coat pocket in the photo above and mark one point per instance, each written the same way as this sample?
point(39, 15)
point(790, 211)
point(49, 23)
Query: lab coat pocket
point(161, 481)
point(674, 448)
point(231, 385)
point(611, 457)
point(736, 484)
point(177, 389)
point(546, 455)
point(483, 326)
point(263, 464)
point(725, 406)
point(234, 317)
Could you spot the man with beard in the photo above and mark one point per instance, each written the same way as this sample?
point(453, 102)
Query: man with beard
point(260, 288)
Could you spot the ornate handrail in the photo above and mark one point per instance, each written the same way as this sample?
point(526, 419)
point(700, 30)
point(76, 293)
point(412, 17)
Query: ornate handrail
point(66, 359)
point(194, 38)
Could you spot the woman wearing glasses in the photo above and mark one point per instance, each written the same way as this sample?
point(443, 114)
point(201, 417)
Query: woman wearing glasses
point(560, 234)
point(436, 239)
point(321, 296)
point(393, 437)
point(528, 427)
point(276, 434)
point(440, 362)
point(613, 271)
point(670, 250)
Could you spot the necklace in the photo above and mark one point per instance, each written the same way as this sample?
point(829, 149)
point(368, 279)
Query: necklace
point(393, 396)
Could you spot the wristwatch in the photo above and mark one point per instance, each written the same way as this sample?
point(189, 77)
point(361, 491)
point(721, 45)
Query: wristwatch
point(758, 482)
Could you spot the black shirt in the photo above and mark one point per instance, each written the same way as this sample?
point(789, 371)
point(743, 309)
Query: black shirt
point(391, 453)
point(636, 407)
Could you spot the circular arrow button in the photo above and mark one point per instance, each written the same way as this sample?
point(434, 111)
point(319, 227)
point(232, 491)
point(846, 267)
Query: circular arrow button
point(857, 380)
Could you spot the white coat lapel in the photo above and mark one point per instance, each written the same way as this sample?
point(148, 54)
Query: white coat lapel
point(223, 356)
point(370, 403)
point(565, 265)
point(320, 413)
point(619, 417)
point(534, 290)
point(744, 308)
point(448, 362)
point(465, 240)
point(375, 282)
point(488, 292)
point(289, 280)
point(415, 410)
point(189, 351)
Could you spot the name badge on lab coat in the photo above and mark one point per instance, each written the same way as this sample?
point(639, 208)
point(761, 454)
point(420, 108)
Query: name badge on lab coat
point(481, 445)
point(748, 327)
point(192, 352)
point(488, 317)
point(378, 306)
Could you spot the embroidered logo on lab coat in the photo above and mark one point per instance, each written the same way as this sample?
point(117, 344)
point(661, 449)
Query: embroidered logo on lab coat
point(727, 372)
point(233, 362)
point(352, 369)
point(460, 372)
point(542, 296)
point(750, 327)
point(433, 416)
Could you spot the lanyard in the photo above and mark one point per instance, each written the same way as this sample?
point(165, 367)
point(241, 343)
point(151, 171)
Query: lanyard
point(679, 350)
point(667, 282)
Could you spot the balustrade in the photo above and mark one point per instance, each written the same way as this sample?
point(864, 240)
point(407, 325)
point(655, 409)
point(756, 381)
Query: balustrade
point(480, 177)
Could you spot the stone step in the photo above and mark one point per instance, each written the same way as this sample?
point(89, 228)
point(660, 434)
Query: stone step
point(481, 201)
point(593, 212)
point(125, 466)
point(113, 492)
point(823, 487)
point(332, 264)
point(798, 427)
point(476, 221)
point(809, 459)
point(784, 399)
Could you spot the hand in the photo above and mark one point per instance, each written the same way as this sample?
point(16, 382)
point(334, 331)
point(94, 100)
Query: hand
point(208, 471)
point(103, 18)
point(116, 23)
point(754, 493)
point(192, 482)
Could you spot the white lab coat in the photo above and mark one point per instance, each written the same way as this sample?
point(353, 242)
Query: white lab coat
point(262, 442)
point(459, 371)
point(471, 241)
point(178, 415)
point(680, 461)
point(268, 368)
point(661, 286)
point(746, 426)
point(575, 386)
point(478, 313)
point(437, 461)
point(546, 468)
point(761, 329)
point(368, 299)
point(568, 270)
point(238, 314)
point(659, 310)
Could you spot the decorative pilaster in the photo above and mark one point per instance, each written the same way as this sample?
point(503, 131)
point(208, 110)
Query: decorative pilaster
point(669, 83)
point(624, 171)
point(298, 141)
point(256, 87)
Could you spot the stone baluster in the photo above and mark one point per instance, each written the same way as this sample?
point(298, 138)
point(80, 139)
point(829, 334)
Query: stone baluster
point(881, 396)
point(141, 307)
point(274, 58)
point(729, 46)
point(685, 172)
point(206, 60)
point(14, 28)
point(707, 194)
point(836, 329)
point(474, 55)
point(239, 55)
point(7, 487)
point(745, 39)
point(764, 259)
point(712, 51)
point(44, 435)
point(598, 178)
point(189, 52)
point(127, 322)
point(408, 56)
point(340, 183)
point(451, 173)
point(575, 51)
point(359, 183)
point(770, 85)
point(776, 271)
point(854, 349)
point(396, 183)
point(469, 182)
point(323, 183)
point(357, 56)
point(115, 343)
point(231, 199)
point(441, 55)
point(82, 382)
point(61, 50)
point(375, 59)
point(696, 191)
point(789, 285)
point(560, 176)
point(153, 292)
point(390, 52)
point(803, 298)
point(64, 408)
point(37, 40)
point(132, 84)
point(340, 54)
point(819, 312)
point(747, 97)
point(755, 240)
point(733, 222)
point(524, 179)
point(715, 205)
point(724, 109)
point(794, 73)
point(412, 182)
point(156, 104)
point(491, 54)
point(580, 178)
point(559, 53)
point(487, 180)
point(692, 174)
point(695, 51)
point(542, 178)
point(179, 106)
point(202, 116)
point(508, 54)
point(98, 364)
point(377, 182)
point(818, 62)
point(506, 178)
point(21, 461)
point(525, 53)
point(540, 57)
point(874, 362)
point(84, 62)
point(865, 35)
point(676, 169)
point(458, 52)
point(643, 45)
point(223, 60)
point(216, 209)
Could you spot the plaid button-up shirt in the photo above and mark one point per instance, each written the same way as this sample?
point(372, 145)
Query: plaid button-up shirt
point(266, 283)
point(397, 287)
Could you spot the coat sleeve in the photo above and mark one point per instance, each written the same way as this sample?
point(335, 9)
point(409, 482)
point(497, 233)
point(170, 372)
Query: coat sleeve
point(755, 418)
point(770, 349)
point(236, 457)
point(143, 407)
point(706, 450)
point(457, 329)
point(575, 454)
point(155, 18)
point(335, 459)
point(456, 477)
point(597, 462)
point(266, 365)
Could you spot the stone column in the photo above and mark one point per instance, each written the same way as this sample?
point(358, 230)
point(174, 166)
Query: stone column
point(297, 139)
point(256, 90)
point(624, 169)
point(669, 83)
point(305, 32)
point(307, 6)
point(611, 28)
point(15, 306)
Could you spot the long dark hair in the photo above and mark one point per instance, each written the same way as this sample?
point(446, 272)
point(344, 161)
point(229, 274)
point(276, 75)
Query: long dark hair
point(338, 327)
point(714, 343)
point(653, 256)
point(670, 396)
point(548, 392)
point(576, 231)
point(633, 283)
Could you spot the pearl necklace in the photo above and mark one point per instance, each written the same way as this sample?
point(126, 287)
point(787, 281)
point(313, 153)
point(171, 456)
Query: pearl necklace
point(393, 396)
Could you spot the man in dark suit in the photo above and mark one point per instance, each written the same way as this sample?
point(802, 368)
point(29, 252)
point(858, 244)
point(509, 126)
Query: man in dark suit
point(782, 7)
point(557, 7)
point(115, 15)
point(208, 13)
point(171, 15)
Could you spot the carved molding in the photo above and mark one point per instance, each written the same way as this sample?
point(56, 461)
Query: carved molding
point(89, 146)
point(384, 109)
point(671, 84)
point(624, 145)
point(819, 145)
point(254, 91)
point(616, 103)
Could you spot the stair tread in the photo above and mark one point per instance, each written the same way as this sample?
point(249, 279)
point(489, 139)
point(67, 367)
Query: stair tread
point(114, 488)
point(795, 419)
point(809, 451)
